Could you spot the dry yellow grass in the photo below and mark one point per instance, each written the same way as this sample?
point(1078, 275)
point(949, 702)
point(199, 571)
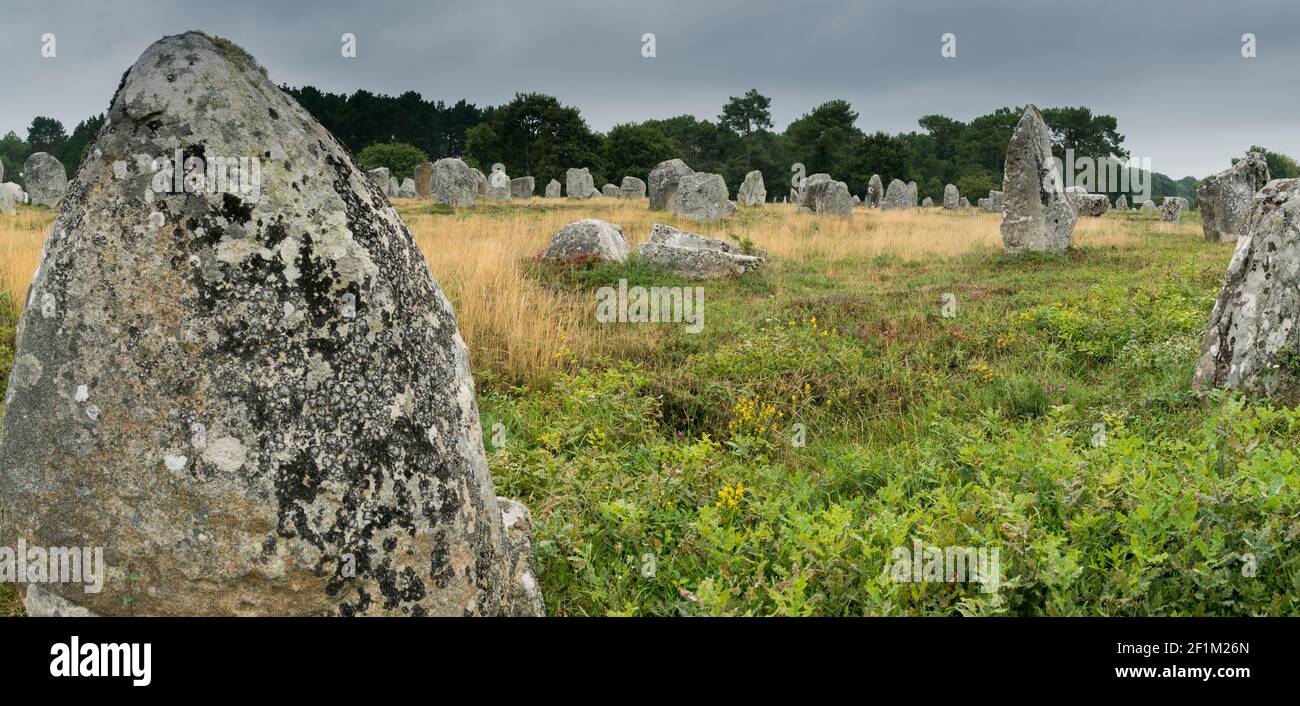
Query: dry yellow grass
point(520, 330)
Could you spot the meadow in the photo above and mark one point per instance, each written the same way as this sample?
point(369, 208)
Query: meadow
point(887, 380)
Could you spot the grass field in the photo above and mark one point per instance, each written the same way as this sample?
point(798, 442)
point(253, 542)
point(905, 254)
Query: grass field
point(1045, 412)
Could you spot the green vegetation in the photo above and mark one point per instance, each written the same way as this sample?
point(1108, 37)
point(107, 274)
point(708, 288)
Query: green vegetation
point(400, 158)
point(1050, 418)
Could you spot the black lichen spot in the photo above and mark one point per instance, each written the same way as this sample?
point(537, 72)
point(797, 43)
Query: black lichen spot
point(274, 115)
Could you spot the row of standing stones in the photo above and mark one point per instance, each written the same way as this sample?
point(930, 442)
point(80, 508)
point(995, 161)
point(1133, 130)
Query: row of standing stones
point(264, 407)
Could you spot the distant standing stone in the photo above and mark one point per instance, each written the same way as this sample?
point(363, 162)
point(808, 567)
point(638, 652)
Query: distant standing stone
point(1225, 198)
point(394, 186)
point(875, 191)
point(609, 190)
point(453, 183)
point(822, 194)
point(752, 192)
point(964, 203)
point(927, 202)
point(995, 200)
point(588, 239)
point(45, 179)
point(1036, 214)
point(1171, 210)
point(522, 187)
point(407, 189)
point(498, 183)
point(951, 197)
point(424, 180)
point(480, 183)
point(10, 197)
point(380, 178)
point(553, 189)
point(578, 183)
point(663, 183)
point(701, 196)
point(1149, 205)
point(632, 188)
point(898, 196)
point(911, 194)
point(1121, 203)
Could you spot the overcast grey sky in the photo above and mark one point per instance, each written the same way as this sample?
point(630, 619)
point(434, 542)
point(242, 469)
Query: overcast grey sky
point(1171, 72)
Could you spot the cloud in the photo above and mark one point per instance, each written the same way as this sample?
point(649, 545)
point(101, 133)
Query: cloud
point(1173, 75)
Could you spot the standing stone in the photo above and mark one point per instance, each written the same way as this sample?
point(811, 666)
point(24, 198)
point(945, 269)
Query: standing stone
point(578, 183)
point(964, 203)
point(424, 180)
point(522, 187)
point(995, 200)
point(588, 239)
point(752, 191)
point(10, 197)
point(2, 172)
point(45, 179)
point(822, 194)
point(609, 190)
point(1253, 335)
point(1086, 204)
point(985, 204)
point(394, 186)
point(1149, 205)
point(1121, 203)
point(498, 183)
point(875, 191)
point(553, 189)
point(700, 196)
point(256, 403)
point(1225, 198)
point(632, 188)
point(911, 194)
point(1171, 209)
point(480, 183)
point(380, 178)
point(663, 183)
point(454, 183)
point(951, 197)
point(927, 202)
point(896, 197)
point(407, 189)
point(1036, 214)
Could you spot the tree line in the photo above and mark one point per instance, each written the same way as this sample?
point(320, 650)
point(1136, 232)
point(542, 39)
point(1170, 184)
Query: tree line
point(534, 134)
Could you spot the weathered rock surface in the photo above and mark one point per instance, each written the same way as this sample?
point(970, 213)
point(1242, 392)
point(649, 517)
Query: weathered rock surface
point(875, 191)
point(424, 180)
point(822, 194)
point(1086, 204)
point(454, 183)
point(407, 189)
point(522, 187)
point(1172, 208)
point(663, 183)
point(951, 197)
point(498, 184)
point(701, 197)
point(578, 184)
point(898, 196)
point(631, 188)
point(1253, 336)
point(380, 178)
point(257, 403)
point(553, 189)
point(588, 239)
point(45, 180)
point(752, 192)
point(1225, 198)
point(1036, 214)
point(696, 256)
point(10, 196)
